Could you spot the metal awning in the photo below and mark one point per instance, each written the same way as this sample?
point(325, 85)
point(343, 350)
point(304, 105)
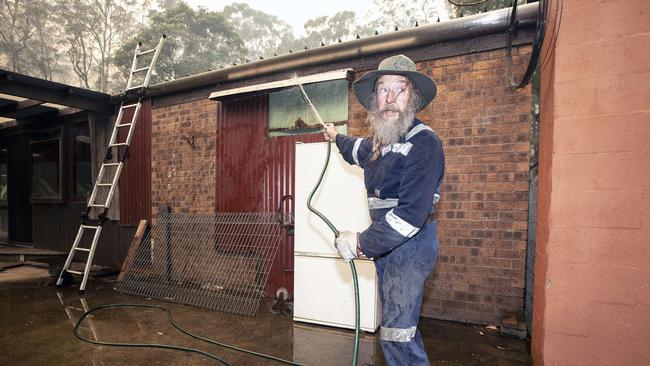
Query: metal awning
point(304, 80)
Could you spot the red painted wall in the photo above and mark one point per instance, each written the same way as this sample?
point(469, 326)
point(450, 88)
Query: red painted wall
point(592, 293)
point(254, 171)
point(135, 180)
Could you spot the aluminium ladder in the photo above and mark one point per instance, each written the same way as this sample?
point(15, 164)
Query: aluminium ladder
point(109, 172)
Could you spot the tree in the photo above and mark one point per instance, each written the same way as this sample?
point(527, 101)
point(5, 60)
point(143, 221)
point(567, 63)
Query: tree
point(330, 29)
point(489, 5)
point(45, 44)
point(93, 29)
point(77, 39)
point(19, 22)
point(197, 41)
point(263, 34)
point(388, 14)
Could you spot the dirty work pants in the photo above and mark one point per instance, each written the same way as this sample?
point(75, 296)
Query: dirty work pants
point(401, 275)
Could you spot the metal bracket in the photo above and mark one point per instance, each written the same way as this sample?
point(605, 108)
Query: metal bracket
point(189, 142)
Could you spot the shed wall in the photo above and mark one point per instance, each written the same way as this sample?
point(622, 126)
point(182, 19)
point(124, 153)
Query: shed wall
point(485, 129)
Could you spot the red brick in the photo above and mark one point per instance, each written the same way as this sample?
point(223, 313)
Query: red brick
point(184, 195)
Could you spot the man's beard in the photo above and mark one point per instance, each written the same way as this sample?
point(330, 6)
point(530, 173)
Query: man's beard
point(387, 131)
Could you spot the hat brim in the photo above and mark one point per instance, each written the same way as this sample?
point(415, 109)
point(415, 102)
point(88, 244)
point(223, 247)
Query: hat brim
point(364, 87)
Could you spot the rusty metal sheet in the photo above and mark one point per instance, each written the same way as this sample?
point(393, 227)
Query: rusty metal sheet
point(135, 180)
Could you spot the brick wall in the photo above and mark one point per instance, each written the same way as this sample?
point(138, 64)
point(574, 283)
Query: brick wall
point(592, 300)
point(183, 177)
point(485, 128)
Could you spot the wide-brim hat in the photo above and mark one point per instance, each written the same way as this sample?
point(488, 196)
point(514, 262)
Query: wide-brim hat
point(395, 65)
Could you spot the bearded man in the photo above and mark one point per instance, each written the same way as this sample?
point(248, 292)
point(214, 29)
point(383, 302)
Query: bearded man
point(403, 165)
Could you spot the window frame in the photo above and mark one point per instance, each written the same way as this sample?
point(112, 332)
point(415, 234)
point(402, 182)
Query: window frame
point(294, 93)
point(60, 198)
point(70, 162)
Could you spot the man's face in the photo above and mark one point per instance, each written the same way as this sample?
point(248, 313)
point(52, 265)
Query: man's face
point(393, 93)
point(391, 114)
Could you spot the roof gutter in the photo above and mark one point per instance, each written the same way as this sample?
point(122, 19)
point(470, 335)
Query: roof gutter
point(472, 26)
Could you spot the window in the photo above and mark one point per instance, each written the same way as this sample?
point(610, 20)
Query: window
point(81, 166)
point(46, 169)
point(291, 114)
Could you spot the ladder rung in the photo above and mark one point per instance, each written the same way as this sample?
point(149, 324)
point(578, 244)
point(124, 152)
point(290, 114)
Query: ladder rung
point(90, 227)
point(104, 184)
point(118, 144)
point(146, 52)
point(135, 87)
point(141, 69)
point(74, 272)
point(95, 205)
point(130, 106)
point(124, 125)
point(111, 164)
point(83, 249)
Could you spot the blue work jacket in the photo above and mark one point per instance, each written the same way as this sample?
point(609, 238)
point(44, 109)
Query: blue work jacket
point(403, 185)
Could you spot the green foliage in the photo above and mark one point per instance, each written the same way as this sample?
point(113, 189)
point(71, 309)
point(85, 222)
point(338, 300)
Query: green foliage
point(197, 40)
point(490, 5)
point(91, 30)
point(388, 14)
point(329, 29)
point(25, 37)
point(263, 34)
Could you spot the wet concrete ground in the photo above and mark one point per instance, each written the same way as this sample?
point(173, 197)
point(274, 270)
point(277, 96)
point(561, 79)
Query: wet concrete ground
point(36, 323)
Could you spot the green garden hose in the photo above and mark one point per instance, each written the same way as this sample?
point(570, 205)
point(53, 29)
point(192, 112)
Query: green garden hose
point(75, 331)
point(355, 278)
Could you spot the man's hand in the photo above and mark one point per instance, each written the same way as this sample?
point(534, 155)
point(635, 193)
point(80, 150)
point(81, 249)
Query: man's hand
point(346, 244)
point(330, 132)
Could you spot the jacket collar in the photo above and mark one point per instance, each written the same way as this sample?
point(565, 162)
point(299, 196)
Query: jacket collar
point(415, 123)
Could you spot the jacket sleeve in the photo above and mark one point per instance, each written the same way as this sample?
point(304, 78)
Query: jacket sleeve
point(423, 168)
point(355, 150)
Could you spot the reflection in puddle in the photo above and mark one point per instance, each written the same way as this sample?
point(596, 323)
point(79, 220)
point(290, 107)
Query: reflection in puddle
point(87, 327)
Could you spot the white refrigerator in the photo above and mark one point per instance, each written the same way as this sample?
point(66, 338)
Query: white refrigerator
point(323, 286)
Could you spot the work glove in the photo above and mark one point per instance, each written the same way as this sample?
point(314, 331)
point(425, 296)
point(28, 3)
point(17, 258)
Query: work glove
point(346, 244)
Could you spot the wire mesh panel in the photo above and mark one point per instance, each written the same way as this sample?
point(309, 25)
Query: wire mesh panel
point(216, 261)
